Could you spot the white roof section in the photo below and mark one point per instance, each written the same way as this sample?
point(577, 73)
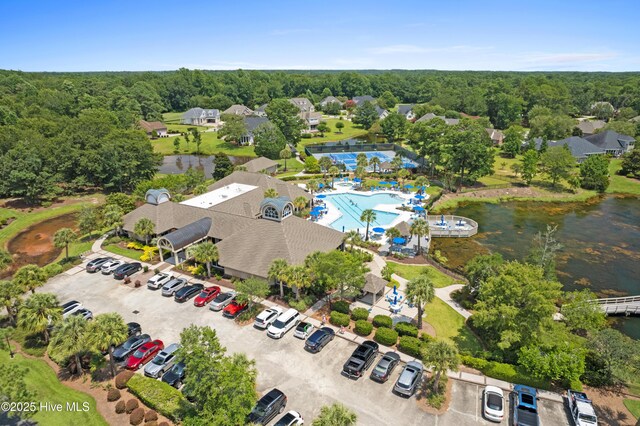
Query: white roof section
point(218, 196)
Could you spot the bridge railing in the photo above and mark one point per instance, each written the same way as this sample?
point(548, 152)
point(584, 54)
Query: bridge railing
point(618, 300)
point(470, 229)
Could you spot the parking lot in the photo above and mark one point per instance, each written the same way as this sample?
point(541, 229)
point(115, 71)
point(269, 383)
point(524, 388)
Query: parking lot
point(309, 380)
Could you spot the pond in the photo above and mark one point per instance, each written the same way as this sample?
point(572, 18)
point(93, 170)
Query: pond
point(601, 240)
point(177, 164)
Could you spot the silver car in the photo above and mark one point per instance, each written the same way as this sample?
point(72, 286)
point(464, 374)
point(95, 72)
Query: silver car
point(172, 286)
point(162, 362)
point(222, 300)
point(409, 379)
point(158, 280)
point(109, 267)
point(71, 307)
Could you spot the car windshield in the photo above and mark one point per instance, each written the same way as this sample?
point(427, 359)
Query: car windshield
point(129, 343)
point(286, 420)
point(302, 326)
point(222, 297)
point(588, 418)
point(380, 369)
point(260, 410)
point(494, 401)
point(158, 360)
point(204, 294)
point(278, 324)
point(139, 353)
point(178, 368)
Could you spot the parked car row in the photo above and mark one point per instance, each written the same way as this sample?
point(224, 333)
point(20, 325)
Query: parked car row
point(109, 265)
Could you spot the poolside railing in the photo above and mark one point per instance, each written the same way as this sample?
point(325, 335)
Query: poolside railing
point(450, 229)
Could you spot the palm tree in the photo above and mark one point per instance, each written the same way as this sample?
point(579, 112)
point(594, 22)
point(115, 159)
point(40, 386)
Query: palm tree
point(368, 216)
point(375, 162)
point(333, 172)
point(63, 237)
point(420, 291)
point(298, 277)
point(352, 237)
point(325, 163)
point(30, 277)
point(361, 160)
point(271, 193)
point(285, 154)
point(70, 338)
point(10, 297)
point(396, 163)
point(205, 252)
point(393, 233)
point(278, 272)
point(335, 415)
point(112, 217)
point(360, 172)
point(402, 175)
point(107, 331)
point(38, 312)
point(5, 259)
point(145, 228)
point(440, 356)
point(300, 203)
point(420, 228)
point(420, 182)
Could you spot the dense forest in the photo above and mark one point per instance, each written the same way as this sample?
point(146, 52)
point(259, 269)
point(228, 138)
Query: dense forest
point(79, 129)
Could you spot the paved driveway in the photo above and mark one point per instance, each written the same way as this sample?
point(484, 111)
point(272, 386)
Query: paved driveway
point(309, 380)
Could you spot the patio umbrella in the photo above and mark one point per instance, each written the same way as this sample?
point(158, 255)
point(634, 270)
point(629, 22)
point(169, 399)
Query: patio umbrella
point(321, 196)
point(321, 185)
point(395, 290)
point(418, 208)
point(442, 219)
point(378, 230)
point(419, 197)
point(357, 180)
point(383, 182)
point(395, 300)
point(317, 209)
point(393, 183)
point(399, 240)
point(408, 185)
point(314, 213)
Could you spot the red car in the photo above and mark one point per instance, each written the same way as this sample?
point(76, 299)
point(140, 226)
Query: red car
point(234, 309)
point(144, 354)
point(206, 295)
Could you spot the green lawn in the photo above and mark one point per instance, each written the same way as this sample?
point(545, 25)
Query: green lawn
point(633, 405)
point(42, 380)
point(621, 184)
point(450, 326)
point(409, 272)
point(210, 145)
point(171, 117)
point(349, 130)
point(130, 253)
point(293, 165)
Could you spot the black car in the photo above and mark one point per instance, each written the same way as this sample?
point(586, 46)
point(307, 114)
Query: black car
point(96, 264)
point(319, 339)
point(268, 407)
point(175, 375)
point(360, 359)
point(133, 329)
point(126, 270)
point(129, 346)
point(187, 292)
point(385, 366)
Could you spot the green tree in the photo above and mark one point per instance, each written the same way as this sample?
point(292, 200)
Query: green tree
point(544, 249)
point(392, 233)
point(193, 177)
point(353, 237)
point(205, 252)
point(38, 312)
point(197, 139)
point(440, 356)
point(299, 278)
point(63, 237)
point(144, 228)
point(420, 183)
point(325, 163)
point(557, 163)
point(480, 268)
point(125, 202)
point(550, 127)
point(529, 166)
point(337, 270)
point(333, 172)
point(365, 115)
point(271, 193)
point(284, 115)
point(13, 389)
point(252, 290)
point(512, 142)
point(387, 100)
point(631, 163)
point(396, 163)
point(285, 154)
point(469, 151)
point(234, 128)
point(5, 259)
point(602, 110)
point(361, 160)
point(268, 141)
point(360, 172)
point(393, 126)
point(222, 166)
point(323, 128)
point(375, 162)
point(622, 127)
point(594, 173)
point(504, 110)
point(339, 126)
point(176, 145)
point(70, 340)
point(10, 298)
point(581, 314)
point(335, 415)
point(368, 216)
point(88, 220)
point(427, 139)
point(420, 291)
point(112, 217)
point(105, 332)
point(30, 277)
point(278, 272)
point(420, 228)
point(613, 357)
point(311, 165)
point(558, 360)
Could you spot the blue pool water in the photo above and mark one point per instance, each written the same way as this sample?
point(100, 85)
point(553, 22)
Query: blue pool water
point(350, 218)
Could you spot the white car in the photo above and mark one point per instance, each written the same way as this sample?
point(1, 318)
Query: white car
point(84, 313)
point(158, 280)
point(303, 330)
point(109, 267)
point(266, 317)
point(70, 307)
point(292, 418)
point(493, 403)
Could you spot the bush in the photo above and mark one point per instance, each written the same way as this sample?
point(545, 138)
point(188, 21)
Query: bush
point(137, 416)
point(501, 371)
point(132, 404)
point(122, 378)
point(386, 336)
point(113, 395)
point(157, 395)
point(410, 346)
point(341, 306)
point(164, 424)
point(52, 269)
point(477, 363)
point(426, 338)
point(363, 327)
point(383, 321)
point(338, 319)
point(151, 415)
point(298, 305)
point(406, 329)
point(360, 314)
point(151, 423)
point(120, 407)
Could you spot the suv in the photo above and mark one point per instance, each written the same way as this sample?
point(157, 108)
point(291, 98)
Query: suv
point(409, 379)
point(319, 339)
point(70, 307)
point(158, 280)
point(266, 317)
point(109, 266)
point(360, 359)
point(268, 407)
point(175, 375)
point(96, 264)
point(172, 286)
point(303, 330)
point(161, 362)
point(126, 270)
point(283, 323)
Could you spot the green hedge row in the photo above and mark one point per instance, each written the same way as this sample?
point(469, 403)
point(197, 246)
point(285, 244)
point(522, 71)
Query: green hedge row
point(383, 321)
point(304, 177)
point(406, 329)
point(502, 371)
point(339, 319)
point(410, 346)
point(158, 395)
point(341, 306)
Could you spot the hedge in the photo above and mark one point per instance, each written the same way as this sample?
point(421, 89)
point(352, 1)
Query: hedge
point(363, 327)
point(157, 395)
point(303, 177)
point(410, 346)
point(406, 329)
point(386, 336)
point(339, 319)
point(113, 395)
point(120, 407)
point(383, 321)
point(502, 371)
point(360, 314)
point(122, 378)
point(426, 338)
point(131, 405)
point(341, 306)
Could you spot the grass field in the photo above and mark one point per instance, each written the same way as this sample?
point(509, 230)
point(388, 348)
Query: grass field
point(210, 145)
point(349, 130)
point(621, 184)
point(409, 272)
point(633, 405)
point(130, 253)
point(42, 380)
point(450, 326)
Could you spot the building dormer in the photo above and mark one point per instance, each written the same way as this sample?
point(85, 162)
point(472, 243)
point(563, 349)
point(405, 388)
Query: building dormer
point(157, 196)
point(276, 208)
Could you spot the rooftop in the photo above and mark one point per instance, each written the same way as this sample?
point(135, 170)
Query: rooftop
point(217, 196)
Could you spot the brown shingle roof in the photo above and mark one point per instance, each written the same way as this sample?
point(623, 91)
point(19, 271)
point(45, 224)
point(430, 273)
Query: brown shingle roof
point(404, 228)
point(373, 283)
point(259, 164)
point(150, 126)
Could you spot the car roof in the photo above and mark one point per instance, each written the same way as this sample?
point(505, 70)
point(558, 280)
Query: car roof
point(171, 348)
point(391, 354)
point(70, 303)
point(271, 396)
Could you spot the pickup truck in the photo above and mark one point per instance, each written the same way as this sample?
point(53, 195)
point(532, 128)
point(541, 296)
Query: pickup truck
point(525, 406)
point(360, 359)
point(581, 409)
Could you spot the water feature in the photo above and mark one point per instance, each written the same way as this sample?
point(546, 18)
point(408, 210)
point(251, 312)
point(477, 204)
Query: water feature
point(601, 240)
point(177, 164)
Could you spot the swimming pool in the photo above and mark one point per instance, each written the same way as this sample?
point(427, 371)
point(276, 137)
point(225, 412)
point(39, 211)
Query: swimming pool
point(352, 205)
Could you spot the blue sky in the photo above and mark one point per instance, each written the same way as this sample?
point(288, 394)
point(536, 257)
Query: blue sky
point(450, 35)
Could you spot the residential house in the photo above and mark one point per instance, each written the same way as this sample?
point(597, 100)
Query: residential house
point(303, 104)
point(153, 126)
point(201, 117)
point(382, 113)
point(407, 111)
point(603, 143)
point(431, 116)
point(261, 111)
point(329, 100)
point(311, 120)
point(251, 123)
point(238, 110)
point(261, 165)
point(589, 127)
point(361, 99)
point(497, 137)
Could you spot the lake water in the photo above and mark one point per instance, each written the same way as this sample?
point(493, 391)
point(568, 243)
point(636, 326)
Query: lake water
point(601, 240)
point(177, 164)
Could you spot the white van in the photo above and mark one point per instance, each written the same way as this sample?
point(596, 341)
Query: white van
point(283, 323)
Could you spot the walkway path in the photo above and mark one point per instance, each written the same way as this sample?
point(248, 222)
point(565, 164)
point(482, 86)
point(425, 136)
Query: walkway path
point(444, 294)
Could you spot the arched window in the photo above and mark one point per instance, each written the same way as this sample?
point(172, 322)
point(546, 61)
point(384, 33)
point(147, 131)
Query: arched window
point(270, 212)
point(287, 211)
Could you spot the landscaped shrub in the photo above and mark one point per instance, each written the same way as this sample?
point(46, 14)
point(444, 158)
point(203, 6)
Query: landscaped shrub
point(341, 306)
point(157, 395)
point(503, 371)
point(386, 336)
point(426, 338)
point(410, 346)
point(122, 378)
point(298, 305)
point(477, 363)
point(132, 404)
point(52, 269)
point(164, 424)
point(338, 319)
point(150, 416)
point(137, 416)
point(363, 327)
point(113, 395)
point(406, 329)
point(383, 321)
point(120, 407)
point(359, 314)
point(151, 423)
